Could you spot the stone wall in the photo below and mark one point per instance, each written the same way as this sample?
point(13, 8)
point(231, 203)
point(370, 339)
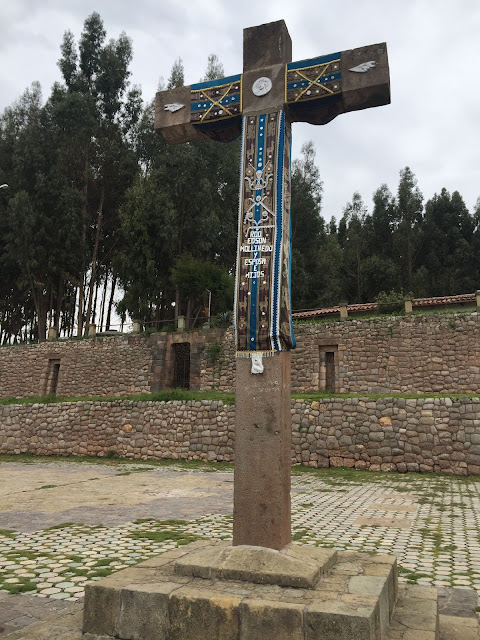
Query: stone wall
point(218, 366)
point(393, 434)
point(102, 366)
point(389, 434)
point(105, 366)
point(414, 354)
point(397, 354)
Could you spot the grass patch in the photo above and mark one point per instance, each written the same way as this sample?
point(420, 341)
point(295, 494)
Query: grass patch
point(134, 470)
point(180, 395)
point(28, 555)
point(105, 562)
point(19, 587)
point(411, 576)
point(407, 482)
point(162, 535)
point(78, 571)
point(75, 558)
point(8, 533)
point(143, 520)
point(299, 534)
point(63, 525)
point(334, 476)
point(325, 395)
point(115, 461)
point(46, 486)
point(171, 395)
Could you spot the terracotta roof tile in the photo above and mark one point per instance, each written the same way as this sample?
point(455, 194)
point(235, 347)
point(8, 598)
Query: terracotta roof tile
point(417, 303)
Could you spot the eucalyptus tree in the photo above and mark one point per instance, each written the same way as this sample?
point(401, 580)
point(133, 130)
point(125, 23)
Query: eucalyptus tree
point(309, 238)
point(409, 219)
point(183, 202)
point(40, 234)
point(96, 84)
point(352, 239)
point(447, 246)
point(380, 269)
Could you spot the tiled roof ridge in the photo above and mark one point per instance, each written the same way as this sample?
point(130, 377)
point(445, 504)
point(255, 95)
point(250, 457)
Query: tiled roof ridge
point(372, 306)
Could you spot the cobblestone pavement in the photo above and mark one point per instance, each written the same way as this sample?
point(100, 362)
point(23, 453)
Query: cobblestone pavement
point(63, 523)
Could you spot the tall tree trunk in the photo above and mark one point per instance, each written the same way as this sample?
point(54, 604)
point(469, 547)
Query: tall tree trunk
point(50, 307)
point(104, 298)
point(110, 303)
point(81, 288)
point(40, 301)
point(94, 309)
point(94, 260)
point(73, 308)
point(58, 308)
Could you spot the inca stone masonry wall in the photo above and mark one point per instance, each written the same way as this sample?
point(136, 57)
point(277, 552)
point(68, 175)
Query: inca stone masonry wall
point(398, 354)
point(87, 367)
point(104, 366)
point(415, 354)
point(394, 434)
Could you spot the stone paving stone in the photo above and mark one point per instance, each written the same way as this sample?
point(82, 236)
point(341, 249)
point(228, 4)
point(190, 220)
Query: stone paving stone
point(440, 540)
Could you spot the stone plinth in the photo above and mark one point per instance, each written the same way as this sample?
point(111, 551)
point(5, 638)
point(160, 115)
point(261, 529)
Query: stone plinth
point(293, 566)
point(352, 596)
point(261, 515)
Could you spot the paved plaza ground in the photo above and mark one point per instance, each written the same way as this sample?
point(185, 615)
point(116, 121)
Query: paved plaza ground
point(63, 522)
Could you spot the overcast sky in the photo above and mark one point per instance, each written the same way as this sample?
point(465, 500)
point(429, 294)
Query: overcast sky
point(432, 125)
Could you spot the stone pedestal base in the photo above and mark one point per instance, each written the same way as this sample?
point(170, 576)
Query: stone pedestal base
point(212, 591)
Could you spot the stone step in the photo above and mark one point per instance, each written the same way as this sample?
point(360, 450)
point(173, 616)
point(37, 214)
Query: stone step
point(416, 615)
point(166, 598)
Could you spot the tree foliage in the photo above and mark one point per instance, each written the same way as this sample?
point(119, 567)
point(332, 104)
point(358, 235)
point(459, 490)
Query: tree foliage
point(97, 204)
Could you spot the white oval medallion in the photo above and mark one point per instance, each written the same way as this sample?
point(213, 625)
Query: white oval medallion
point(261, 86)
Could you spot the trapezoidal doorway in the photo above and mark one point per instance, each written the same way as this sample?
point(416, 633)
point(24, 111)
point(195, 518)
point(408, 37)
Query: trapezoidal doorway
point(53, 372)
point(181, 365)
point(328, 368)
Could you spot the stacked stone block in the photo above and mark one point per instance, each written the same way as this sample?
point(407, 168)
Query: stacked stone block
point(389, 434)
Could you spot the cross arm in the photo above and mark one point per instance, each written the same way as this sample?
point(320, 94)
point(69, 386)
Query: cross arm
point(319, 89)
point(315, 91)
point(207, 109)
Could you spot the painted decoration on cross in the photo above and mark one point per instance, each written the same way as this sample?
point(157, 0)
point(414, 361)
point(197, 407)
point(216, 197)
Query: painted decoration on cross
point(262, 300)
point(213, 103)
point(314, 79)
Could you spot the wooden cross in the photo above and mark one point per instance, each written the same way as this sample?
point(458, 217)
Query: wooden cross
point(261, 104)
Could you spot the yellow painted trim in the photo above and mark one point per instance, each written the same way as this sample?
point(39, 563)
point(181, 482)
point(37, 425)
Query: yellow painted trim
point(214, 102)
point(314, 82)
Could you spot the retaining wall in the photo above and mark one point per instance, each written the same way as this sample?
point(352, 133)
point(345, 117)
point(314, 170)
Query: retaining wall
point(393, 434)
point(414, 354)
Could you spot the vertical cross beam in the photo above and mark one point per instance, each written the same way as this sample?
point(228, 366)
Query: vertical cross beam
point(271, 93)
point(263, 423)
